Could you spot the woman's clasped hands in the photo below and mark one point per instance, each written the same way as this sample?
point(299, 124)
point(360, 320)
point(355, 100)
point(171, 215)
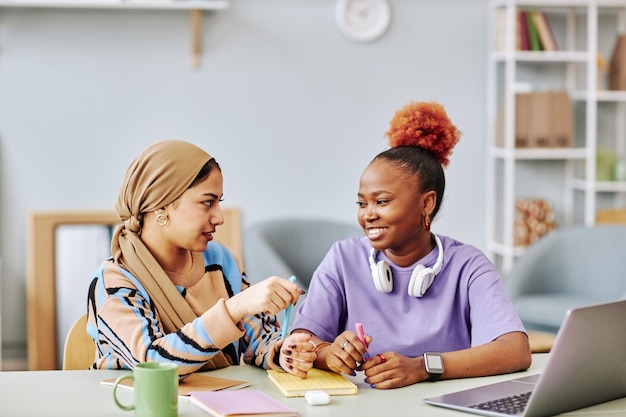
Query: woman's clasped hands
point(347, 354)
point(393, 370)
point(297, 354)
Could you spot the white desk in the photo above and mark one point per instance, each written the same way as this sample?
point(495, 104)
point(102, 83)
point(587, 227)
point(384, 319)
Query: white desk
point(80, 394)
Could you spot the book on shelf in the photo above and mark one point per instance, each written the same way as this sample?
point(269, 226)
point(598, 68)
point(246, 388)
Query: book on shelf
point(522, 31)
point(242, 403)
point(317, 379)
point(500, 32)
point(533, 35)
point(545, 32)
point(532, 31)
point(501, 26)
point(193, 382)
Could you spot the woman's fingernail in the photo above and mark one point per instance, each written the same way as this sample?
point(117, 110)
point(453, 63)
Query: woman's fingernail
point(353, 373)
point(287, 352)
point(372, 386)
point(366, 356)
point(292, 346)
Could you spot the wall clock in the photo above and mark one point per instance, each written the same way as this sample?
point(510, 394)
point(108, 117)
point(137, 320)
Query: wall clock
point(363, 20)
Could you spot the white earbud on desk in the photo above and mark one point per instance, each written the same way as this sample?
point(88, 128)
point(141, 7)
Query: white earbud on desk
point(317, 397)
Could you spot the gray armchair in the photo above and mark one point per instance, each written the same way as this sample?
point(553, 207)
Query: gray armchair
point(288, 247)
point(569, 267)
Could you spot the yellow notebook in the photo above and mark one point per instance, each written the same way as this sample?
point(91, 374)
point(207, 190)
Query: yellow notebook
point(316, 379)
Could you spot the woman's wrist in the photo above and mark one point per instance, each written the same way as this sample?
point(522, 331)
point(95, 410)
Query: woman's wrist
point(321, 346)
point(320, 361)
point(233, 310)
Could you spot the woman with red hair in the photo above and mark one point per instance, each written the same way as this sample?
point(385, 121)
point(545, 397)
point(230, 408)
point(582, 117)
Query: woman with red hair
point(432, 307)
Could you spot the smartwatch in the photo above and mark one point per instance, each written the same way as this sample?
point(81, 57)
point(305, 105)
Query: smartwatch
point(434, 365)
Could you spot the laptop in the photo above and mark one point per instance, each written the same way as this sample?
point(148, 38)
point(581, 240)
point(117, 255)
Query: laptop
point(586, 366)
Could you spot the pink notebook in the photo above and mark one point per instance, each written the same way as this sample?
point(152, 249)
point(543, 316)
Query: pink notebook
point(240, 403)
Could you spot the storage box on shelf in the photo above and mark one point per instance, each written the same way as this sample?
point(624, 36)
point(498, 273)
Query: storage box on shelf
point(523, 161)
point(543, 119)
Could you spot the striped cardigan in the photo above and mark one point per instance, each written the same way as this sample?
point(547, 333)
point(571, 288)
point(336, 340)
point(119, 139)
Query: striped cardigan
point(125, 325)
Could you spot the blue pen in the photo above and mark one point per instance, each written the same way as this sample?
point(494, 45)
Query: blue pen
point(287, 313)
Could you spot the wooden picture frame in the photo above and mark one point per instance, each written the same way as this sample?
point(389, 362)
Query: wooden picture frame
point(41, 308)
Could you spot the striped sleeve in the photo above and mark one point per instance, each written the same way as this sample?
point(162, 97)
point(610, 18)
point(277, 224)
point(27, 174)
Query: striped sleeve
point(125, 324)
point(260, 343)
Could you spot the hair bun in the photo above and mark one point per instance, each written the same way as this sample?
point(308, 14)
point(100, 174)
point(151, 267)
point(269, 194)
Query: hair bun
point(425, 125)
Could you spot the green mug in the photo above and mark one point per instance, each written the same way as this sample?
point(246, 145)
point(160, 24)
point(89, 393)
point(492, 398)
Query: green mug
point(155, 389)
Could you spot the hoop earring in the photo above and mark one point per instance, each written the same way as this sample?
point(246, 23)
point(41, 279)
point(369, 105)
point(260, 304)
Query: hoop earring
point(160, 219)
point(426, 222)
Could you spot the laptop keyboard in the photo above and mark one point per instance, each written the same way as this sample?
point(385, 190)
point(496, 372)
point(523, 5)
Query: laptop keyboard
point(512, 405)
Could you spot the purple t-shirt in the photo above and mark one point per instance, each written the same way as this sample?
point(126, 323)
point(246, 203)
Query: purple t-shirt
point(465, 306)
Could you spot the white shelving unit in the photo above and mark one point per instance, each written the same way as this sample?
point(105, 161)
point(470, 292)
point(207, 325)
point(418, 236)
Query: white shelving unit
point(574, 67)
point(195, 8)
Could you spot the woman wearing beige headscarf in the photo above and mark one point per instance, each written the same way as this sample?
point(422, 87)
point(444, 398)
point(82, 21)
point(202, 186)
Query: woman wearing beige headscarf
point(172, 294)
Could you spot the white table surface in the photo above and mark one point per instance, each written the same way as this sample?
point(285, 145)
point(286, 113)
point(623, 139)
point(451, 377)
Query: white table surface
point(80, 394)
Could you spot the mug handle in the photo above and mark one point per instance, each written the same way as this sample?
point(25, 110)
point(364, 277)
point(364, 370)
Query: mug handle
point(117, 381)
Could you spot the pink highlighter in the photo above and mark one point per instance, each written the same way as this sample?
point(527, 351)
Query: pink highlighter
point(361, 334)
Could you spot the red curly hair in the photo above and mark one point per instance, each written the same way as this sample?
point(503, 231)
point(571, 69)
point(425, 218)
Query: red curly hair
point(425, 125)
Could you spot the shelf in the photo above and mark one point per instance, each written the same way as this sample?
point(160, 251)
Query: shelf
point(195, 8)
point(556, 3)
point(542, 56)
point(616, 96)
point(120, 4)
point(601, 95)
point(600, 186)
point(540, 153)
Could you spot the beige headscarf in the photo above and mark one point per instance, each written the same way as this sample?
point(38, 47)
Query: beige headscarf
point(157, 177)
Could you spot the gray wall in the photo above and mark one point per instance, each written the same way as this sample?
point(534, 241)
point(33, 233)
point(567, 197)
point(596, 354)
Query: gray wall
point(292, 110)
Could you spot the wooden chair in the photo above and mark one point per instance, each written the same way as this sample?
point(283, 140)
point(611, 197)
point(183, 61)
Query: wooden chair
point(79, 350)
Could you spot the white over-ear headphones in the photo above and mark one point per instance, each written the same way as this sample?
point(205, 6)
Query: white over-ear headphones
point(421, 278)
